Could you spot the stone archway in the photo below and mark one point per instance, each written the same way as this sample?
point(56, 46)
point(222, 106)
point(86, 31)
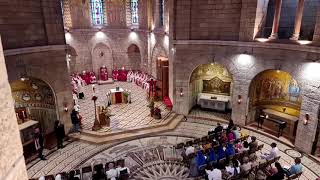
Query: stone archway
point(277, 94)
point(102, 56)
point(35, 100)
point(158, 51)
point(134, 57)
point(212, 80)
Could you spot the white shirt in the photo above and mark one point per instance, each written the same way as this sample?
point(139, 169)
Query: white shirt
point(215, 174)
point(189, 150)
point(112, 174)
point(231, 170)
point(273, 153)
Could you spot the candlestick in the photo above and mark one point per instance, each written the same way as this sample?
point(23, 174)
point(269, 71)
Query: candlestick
point(28, 111)
point(93, 88)
point(23, 114)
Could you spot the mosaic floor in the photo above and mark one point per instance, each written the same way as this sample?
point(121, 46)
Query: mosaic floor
point(153, 157)
point(124, 116)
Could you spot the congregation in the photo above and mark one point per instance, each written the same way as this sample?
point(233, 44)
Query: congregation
point(229, 153)
point(112, 171)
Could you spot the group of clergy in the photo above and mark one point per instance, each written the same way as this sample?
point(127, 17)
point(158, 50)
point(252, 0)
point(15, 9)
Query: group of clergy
point(139, 78)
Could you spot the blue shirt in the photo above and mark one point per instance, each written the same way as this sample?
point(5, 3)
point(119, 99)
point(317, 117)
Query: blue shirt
point(295, 169)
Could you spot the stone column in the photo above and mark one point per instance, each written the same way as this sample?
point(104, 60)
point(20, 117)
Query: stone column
point(276, 20)
point(298, 19)
point(12, 164)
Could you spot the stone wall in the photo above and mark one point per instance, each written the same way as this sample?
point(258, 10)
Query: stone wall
point(49, 66)
point(188, 56)
point(88, 45)
point(12, 164)
point(213, 19)
point(31, 23)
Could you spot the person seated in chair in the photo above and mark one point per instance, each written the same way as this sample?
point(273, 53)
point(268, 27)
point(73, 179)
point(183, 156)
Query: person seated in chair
point(123, 171)
point(218, 129)
point(112, 173)
point(273, 152)
point(213, 173)
point(294, 169)
point(279, 175)
point(212, 157)
point(221, 152)
point(233, 169)
point(230, 151)
point(253, 146)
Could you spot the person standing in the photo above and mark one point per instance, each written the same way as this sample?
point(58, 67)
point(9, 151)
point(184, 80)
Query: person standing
point(75, 119)
point(59, 131)
point(38, 141)
point(80, 90)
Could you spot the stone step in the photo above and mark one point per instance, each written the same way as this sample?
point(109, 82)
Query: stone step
point(132, 134)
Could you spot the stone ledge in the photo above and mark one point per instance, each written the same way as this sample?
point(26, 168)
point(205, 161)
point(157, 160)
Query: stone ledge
point(292, 47)
point(35, 49)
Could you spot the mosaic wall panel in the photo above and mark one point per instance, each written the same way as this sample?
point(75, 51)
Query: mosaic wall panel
point(275, 88)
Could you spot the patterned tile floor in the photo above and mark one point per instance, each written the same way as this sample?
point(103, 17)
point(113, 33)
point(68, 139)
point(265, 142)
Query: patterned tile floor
point(125, 116)
point(151, 157)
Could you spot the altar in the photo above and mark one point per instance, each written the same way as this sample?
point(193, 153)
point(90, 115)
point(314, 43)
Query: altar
point(214, 101)
point(117, 96)
point(291, 122)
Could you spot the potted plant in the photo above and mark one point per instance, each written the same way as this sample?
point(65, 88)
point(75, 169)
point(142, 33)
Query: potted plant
point(126, 95)
point(157, 113)
point(151, 106)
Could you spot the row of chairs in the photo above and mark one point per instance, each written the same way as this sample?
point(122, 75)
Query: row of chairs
point(87, 172)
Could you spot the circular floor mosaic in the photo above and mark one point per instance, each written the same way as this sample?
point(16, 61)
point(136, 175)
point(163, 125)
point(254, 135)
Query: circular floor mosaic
point(164, 170)
point(293, 153)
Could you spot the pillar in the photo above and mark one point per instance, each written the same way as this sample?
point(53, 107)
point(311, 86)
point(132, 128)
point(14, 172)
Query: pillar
point(298, 19)
point(276, 20)
point(12, 164)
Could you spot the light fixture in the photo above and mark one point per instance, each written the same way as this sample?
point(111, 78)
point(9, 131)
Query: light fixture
point(93, 88)
point(239, 99)
point(23, 76)
point(306, 119)
point(304, 42)
point(262, 39)
point(65, 107)
point(181, 92)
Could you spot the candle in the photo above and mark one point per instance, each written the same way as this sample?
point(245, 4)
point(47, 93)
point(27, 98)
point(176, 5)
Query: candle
point(93, 89)
point(28, 111)
point(23, 114)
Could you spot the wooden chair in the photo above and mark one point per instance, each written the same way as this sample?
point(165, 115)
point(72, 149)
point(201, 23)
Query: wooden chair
point(222, 161)
point(49, 177)
point(196, 141)
point(180, 146)
point(86, 173)
point(295, 176)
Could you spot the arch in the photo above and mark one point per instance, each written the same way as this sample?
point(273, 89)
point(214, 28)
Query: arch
point(158, 51)
point(102, 56)
point(35, 97)
point(213, 79)
point(134, 57)
point(274, 90)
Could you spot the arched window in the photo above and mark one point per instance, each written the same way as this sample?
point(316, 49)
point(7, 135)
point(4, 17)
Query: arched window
point(161, 12)
point(97, 12)
point(134, 12)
